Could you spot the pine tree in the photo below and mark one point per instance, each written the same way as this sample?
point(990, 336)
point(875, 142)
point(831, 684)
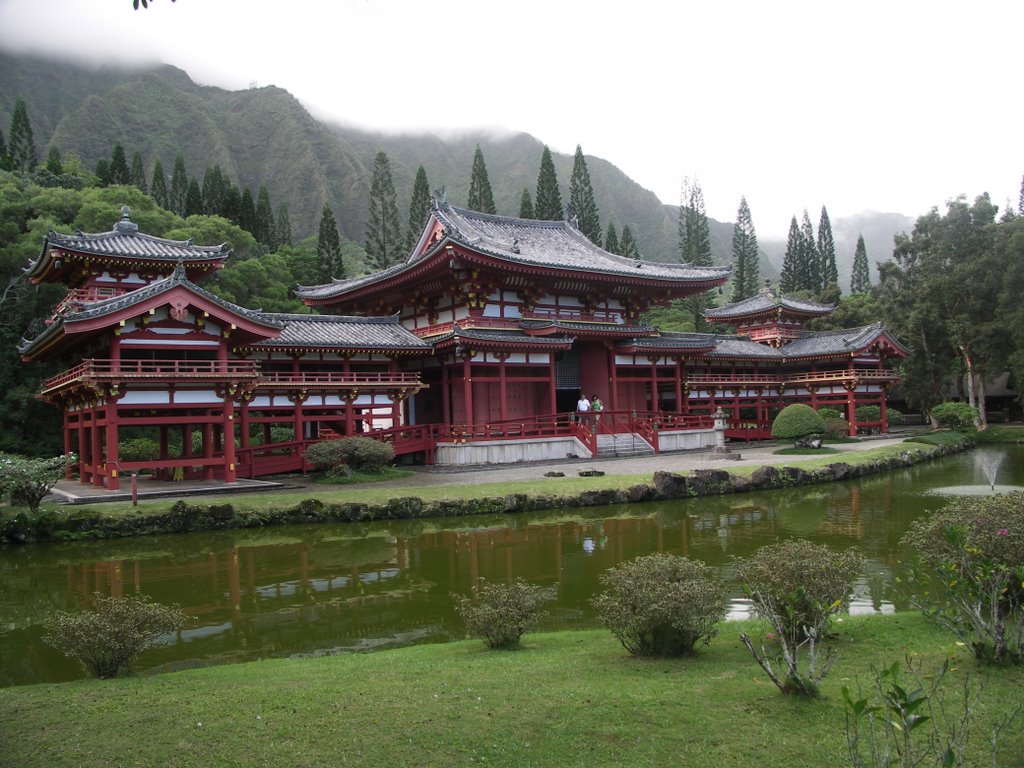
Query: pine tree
point(214, 188)
point(581, 198)
point(5, 159)
point(283, 226)
point(247, 212)
point(744, 254)
point(264, 220)
point(102, 171)
point(810, 261)
point(179, 187)
point(827, 252)
point(789, 280)
point(860, 280)
point(328, 247)
point(1020, 200)
point(158, 187)
point(526, 205)
point(627, 245)
point(119, 171)
point(383, 232)
point(138, 174)
point(480, 196)
point(611, 240)
point(548, 200)
point(21, 148)
point(231, 203)
point(193, 199)
point(419, 208)
point(54, 163)
point(694, 232)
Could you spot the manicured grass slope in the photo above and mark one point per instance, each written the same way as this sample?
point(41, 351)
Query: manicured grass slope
point(565, 699)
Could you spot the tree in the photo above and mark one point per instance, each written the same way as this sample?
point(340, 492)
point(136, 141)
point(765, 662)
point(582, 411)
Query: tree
point(581, 198)
point(627, 245)
point(810, 259)
point(264, 219)
point(21, 148)
point(827, 252)
point(419, 207)
point(54, 164)
point(158, 187)
point(283, 226)
point(383, 232)
point(695, 245)
point(790, 279)
point(247, 211)
point(746, 279)
point(328, 247)
point(28, 481)
point(102, 172)
point(1020, 199)
point(193, 199)
point(526, 205)
point(179, 187)
point(548, 200)
point(480, 196)
point(119, 171)
point(5, 159)
point(611, 240)
point(138, 174)
point(860, 279)
point(214, 188)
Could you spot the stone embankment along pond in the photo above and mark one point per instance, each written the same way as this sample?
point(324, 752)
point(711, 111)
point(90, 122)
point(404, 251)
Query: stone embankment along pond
point(78, 524)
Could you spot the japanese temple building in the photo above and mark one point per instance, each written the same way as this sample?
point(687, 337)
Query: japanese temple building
point(474, 349)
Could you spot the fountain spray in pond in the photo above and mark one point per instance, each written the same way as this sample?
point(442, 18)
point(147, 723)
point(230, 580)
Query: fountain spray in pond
point(990, 461)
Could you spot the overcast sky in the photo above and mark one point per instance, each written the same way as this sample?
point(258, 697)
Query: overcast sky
point(887, 106)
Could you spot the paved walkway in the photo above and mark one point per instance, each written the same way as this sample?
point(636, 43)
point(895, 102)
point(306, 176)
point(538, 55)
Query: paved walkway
point(757, 454)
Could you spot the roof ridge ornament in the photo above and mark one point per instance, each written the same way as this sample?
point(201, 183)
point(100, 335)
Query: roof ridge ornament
point(125, 224)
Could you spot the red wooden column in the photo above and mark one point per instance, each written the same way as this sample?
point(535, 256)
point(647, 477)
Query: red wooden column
point(446, 394)
point(851, 407)
point(502, 392)
point(655, 402)
point(228, 425)
point(83, 446)
point(96, 446)
point(113, 478)
point(396, 398)
point(552, 384)
point(679, 385)
point(207, 450)
point(467, 388)
point(882, 406)
point(813, 389)
point(67, 442)
point(613, 377)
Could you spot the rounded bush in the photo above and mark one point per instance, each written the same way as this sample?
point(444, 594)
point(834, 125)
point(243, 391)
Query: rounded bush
point(796, 421)
point(868, 413)
point(360, 453)
point(139, 449)
point(501, 613)
point(661, 605)
point(831, 413)
point(836, 428)
point(954, 415)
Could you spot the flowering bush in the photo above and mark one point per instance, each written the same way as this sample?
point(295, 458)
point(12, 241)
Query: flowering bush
point(361, 453)
point(29, 480)
point(973, 550)
point(661, 605)
point(501, 613)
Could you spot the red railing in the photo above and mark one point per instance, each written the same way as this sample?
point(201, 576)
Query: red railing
point(84, 296)
point(93, 370)
point(810, 377)
point(573, 315)
point(334, 379)
point(466, 323)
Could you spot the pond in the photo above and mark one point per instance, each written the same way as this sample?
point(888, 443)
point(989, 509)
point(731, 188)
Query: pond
point(313, 590)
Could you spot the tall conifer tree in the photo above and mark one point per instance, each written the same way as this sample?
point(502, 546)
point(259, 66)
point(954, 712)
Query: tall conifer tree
point(21, 148)
point(138, 174)
point(214, 188)
point(179, 186)
point(810, 260)
point(328, 247)
point(860, 279)
point(627, 245)
point(193, 199)
point(5, 159)
point(419, 208)
point(611, 240)
point(283, 226)
point(54, 163)
point(247, 211)
point(1020, 200)
point(744, 254)
point(264, 224)
point(120, 173)
point(526, 205)
point(102, 171)
point(695, 246)
point(581, 198)
point(790, 279)
point(548, 200)
point(827, 252)
point(480, 196)
point(384, 245)
point(158, 186)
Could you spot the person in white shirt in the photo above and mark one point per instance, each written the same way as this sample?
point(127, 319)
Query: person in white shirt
point(583, 405)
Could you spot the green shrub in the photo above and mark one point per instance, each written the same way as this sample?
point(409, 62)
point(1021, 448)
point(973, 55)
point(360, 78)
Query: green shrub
point(111, 634)
point(893, 418)
point(661, 605)
point(868, 413)
point(363, 454)
point(797, 586)
point(836, 428)
point(501, 613)
point(831, 413)
point(954, 415)
point(139, 449)
point(796, 421)
point(973, 552)
point(28, 481)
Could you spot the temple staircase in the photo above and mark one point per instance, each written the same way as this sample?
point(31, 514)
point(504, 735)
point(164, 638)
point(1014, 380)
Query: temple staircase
point(621, 445)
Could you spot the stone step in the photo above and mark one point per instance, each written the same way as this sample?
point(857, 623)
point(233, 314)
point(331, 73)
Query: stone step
point(623, 445)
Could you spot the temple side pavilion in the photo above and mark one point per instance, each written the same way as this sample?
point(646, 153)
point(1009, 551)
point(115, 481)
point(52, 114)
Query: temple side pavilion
point(472, 350)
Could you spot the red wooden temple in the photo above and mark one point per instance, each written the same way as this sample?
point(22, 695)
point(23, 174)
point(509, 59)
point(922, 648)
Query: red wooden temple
point(473, 350)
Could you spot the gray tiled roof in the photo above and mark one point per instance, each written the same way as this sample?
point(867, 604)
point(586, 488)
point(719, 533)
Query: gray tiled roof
point(765, 302)
point(552, 244)
point(694, 341)
point(340, 332)
point(490, 334)
point(574, 327)
point(843, 341)
point(743, 347)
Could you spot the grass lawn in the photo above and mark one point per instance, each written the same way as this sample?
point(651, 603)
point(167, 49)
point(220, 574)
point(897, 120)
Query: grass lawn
point(371, 493)
point(1000, 434)
point(564, 699)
